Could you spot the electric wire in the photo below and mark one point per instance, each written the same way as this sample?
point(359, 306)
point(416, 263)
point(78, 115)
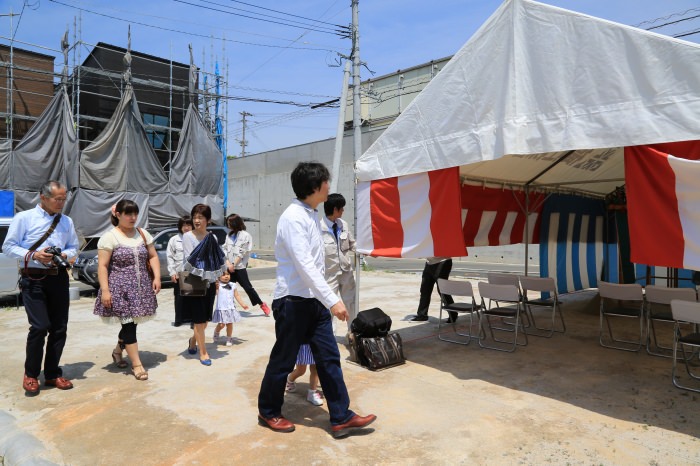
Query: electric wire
point(287, 22)
point(193, 34)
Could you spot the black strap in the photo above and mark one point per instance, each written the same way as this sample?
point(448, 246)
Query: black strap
point(56, 219)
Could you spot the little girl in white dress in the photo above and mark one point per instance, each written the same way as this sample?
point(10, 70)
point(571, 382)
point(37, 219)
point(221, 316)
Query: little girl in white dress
point(225, 312)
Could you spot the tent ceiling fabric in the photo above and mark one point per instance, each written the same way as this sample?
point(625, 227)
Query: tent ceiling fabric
point(518, 86)
point(121, 158)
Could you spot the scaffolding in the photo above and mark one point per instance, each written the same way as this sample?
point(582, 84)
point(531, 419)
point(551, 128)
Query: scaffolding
point(210, 92)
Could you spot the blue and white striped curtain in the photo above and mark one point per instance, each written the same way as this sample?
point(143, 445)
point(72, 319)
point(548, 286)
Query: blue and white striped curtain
point(574, 243)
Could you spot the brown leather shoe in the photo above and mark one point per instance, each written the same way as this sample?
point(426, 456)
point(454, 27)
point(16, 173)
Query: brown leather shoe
point(61, 383)
point(30, 385)
point(355, 422)
point(278, 424)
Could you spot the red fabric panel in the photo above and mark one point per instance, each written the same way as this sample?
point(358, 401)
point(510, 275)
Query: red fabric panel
point(476, 200)
point(446, 218)
point(385, 212)
point(656, 235)
point(689, 150)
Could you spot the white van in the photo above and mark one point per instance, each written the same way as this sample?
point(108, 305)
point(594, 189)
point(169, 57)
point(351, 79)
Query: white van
point(9, 271)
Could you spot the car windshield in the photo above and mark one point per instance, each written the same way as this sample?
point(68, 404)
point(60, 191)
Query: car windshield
point(90, 243)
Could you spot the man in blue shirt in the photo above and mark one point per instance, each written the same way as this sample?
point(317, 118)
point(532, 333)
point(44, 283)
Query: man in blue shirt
point(302, 307)
point(44, 282)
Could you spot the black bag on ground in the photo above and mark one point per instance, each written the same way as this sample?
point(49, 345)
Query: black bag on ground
point(382, 352)
point(371, 323)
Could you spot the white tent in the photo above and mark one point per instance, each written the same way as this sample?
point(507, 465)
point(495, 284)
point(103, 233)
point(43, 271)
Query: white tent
point(540, 98)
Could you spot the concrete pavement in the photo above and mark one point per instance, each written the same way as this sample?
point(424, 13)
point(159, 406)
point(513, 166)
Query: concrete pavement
point(559, 400)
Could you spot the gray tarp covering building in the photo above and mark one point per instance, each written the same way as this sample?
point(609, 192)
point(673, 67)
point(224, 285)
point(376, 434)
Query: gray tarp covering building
point(49, 150)
point(119, 164)
point(121, 159)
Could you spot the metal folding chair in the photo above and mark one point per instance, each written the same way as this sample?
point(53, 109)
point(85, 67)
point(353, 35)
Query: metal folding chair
point(685, 312)
point(542, 285)
point(457, 289)
point(657, 301)
point(620, 301)
point(504, 303)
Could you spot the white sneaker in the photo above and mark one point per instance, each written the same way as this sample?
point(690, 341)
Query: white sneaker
point(229, 342)
point(291, 386)
point(314, 397)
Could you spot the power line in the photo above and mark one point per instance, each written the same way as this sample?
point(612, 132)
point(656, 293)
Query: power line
point(667, 17)
point(189, 33)
point(342, 32)
point(673, 22)
point(288, 14)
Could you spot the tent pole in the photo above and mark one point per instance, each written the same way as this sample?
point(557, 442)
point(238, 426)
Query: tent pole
point(527, 227)
point(356, 125)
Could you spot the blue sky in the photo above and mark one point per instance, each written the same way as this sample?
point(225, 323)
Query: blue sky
point(294, 63)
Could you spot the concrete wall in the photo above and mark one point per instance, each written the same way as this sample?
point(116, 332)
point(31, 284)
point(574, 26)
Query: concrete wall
point(259, 186)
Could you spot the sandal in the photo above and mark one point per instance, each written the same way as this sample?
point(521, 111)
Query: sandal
point(140, 375)
point(118, 359)
point(190, 349)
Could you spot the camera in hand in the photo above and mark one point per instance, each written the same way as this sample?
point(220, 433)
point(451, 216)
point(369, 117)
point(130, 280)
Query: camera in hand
point(57, 258)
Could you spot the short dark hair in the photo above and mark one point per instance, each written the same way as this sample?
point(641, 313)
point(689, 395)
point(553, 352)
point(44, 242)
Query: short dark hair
point(184, 220)
point(334, 201)
point(201, 209)
point(235, 223)
point(125, 206)
point(46, 188)
point(307, 177)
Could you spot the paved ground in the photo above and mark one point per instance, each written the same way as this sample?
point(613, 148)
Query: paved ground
point(563, 400)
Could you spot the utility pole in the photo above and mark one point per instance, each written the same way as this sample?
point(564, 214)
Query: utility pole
point(356, 125)
point(243, 142)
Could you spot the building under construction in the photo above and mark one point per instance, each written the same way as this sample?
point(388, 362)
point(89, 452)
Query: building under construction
point(118, 124)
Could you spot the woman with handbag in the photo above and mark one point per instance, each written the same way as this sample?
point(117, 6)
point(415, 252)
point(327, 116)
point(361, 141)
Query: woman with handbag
point(128, 271)
point(205, 268)
point(238, 245)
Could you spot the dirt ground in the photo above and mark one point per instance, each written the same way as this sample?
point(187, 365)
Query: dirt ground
point(563, 400)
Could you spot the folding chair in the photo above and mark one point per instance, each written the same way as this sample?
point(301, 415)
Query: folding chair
point(621, 301)
point(457, 289)
point(657, 301)
point(501, 278)
point(499, 295)
point(685, 312)
point(542, 285)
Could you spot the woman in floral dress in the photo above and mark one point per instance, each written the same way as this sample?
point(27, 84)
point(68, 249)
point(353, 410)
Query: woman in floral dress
point(127, 294)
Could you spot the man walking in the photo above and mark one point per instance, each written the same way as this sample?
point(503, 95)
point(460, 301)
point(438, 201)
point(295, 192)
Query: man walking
point(339, 242)
point(42, 239)
point(435, 267)
point(302, 307)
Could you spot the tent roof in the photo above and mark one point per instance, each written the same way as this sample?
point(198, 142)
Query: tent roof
point(537, 79)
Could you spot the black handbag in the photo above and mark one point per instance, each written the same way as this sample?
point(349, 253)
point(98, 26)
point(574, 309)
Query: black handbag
point(382, 352)
point(371, 323)
point(191, 285)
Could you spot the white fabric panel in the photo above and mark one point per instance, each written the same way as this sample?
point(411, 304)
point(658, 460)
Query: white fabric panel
point(415, 216)
point(482, 235)
point(552, 244)
point(612, 86)
point(364, 241)
point(583, 245)
point(504, 237)
point(569, 247)
point(688, 195)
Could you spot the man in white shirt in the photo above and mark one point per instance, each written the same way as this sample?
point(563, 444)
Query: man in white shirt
point(302, 307)
point(44, 282)
point(339, 242)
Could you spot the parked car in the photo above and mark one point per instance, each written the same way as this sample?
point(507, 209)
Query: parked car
point(9, 271)
point(85, 266)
